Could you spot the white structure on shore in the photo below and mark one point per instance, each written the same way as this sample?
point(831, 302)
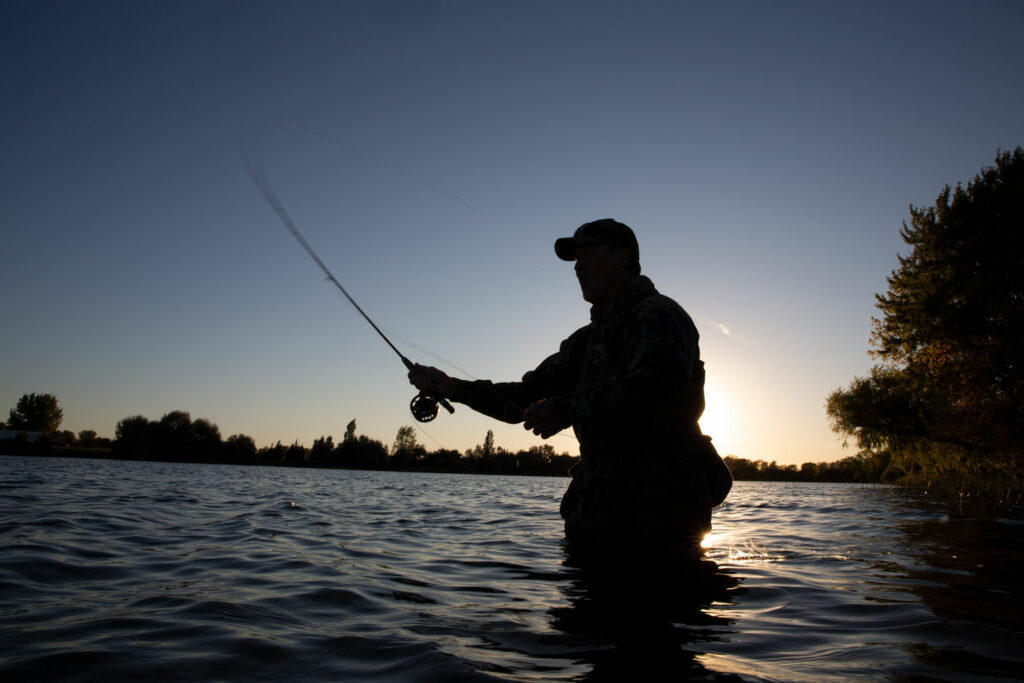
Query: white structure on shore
point(12, 434)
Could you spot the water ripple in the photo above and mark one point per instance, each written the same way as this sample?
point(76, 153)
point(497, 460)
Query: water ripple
point(185, 572)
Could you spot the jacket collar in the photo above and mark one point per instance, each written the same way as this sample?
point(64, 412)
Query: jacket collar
point(640, 288)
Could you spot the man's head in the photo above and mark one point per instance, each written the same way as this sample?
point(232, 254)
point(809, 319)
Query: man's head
point(607, 258)
point(605, 231)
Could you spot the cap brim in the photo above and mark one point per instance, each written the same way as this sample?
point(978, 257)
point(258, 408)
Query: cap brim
point(565, 248)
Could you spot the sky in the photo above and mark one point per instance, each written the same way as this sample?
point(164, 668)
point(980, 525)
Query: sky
point(766, 154)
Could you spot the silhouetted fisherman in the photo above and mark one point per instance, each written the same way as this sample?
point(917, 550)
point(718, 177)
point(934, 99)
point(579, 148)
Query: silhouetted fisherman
point(631, 384)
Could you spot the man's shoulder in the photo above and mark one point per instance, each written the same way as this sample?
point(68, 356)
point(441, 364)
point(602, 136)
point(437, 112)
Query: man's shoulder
point(659, 304)
point(661, 312)
point(576, 340)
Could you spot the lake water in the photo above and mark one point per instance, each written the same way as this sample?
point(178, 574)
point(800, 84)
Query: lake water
point(128, 571)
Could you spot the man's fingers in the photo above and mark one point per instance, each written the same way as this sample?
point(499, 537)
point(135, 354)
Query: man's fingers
point(431, 381)
point(543, 419)
point(419, 377)
point(547, 430)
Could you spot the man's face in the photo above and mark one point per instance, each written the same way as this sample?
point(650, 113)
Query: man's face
point(602, 271)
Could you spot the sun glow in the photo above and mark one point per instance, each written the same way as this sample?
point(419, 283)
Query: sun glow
point(713, 539)
point(718, 419)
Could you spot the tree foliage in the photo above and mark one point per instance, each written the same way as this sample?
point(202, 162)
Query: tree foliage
point(174, 438)
point(405, 440)
point(865, 468)
point(949, 393)
point(406, 451)
point(487, 449)
point(239, 448)
point(36, 413)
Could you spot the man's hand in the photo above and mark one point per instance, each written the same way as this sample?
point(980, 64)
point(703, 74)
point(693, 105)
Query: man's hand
point(431, 381)
point(544, 419)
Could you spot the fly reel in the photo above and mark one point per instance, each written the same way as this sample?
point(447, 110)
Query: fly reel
point(424, 408)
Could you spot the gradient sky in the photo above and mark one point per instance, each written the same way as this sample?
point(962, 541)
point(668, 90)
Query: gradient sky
point(766, 155)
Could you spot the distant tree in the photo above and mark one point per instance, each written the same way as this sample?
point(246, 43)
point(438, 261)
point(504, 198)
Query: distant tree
point(362, 452)
point(536, 459)
point(133, 438)
point(741, 468)
point(239, 448)
point(64, 437)
point(174, 437)
point(406, 451)
point(88, 438)
point(36, 413)
point(405, 439)
point(206, 442)
point(949, 394)
point(443, 460)
point(296, 454)
point(274, 454)
point(809, 471)
point(485, 451)
point(322, 452)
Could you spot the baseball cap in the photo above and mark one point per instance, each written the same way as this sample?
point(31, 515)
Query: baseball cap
point(603, 231)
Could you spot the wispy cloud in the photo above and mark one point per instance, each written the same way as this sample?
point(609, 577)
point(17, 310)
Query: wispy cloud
point(720, 327)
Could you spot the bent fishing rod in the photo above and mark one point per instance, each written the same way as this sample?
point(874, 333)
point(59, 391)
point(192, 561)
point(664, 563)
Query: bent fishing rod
point(423, 406)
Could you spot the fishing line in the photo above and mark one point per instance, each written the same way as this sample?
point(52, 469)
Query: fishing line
point(444, 361)
point(423, 407)
point(395, 169)
point(417, 179)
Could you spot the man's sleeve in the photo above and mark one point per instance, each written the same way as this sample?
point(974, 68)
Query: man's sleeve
point(506, 401)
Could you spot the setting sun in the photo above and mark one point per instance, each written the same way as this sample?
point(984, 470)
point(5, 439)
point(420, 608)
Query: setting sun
point(718, 420)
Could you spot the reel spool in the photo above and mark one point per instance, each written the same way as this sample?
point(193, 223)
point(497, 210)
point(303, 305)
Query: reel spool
point(424, 408)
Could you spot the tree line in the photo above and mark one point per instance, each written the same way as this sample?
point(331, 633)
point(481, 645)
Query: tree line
point(945, 404)
point(176, 437)
point(862, 468)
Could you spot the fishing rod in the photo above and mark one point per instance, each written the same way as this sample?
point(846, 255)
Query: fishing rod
point(423, 406)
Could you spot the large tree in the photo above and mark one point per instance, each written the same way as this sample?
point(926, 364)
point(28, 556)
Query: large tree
point(36, 413)
point(949, 393)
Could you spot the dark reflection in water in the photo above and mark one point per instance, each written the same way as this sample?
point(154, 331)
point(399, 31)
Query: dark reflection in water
point(651, 616)
point(966, 567)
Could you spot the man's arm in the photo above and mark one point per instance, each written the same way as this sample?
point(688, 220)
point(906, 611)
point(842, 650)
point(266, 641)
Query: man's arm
point(512, 402)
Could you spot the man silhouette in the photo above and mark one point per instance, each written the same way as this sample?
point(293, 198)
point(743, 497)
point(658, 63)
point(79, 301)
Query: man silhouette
point(631, 385)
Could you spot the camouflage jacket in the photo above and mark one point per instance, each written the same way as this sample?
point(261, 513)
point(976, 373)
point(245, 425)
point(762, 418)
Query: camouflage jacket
point(630, 381)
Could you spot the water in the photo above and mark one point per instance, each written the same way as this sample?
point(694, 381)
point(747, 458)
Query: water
point(128, 571)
